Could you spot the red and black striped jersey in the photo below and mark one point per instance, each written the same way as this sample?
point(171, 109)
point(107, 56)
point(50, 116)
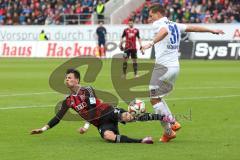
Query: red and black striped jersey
point(131, 35)
point(87, 105)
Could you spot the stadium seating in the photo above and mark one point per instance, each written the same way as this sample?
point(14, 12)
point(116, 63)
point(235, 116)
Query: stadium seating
point(37, 12)
point(192, 11)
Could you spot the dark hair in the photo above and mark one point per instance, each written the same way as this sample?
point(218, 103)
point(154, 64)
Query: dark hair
point(157, 8)
point(75, 72)
point(130, 20)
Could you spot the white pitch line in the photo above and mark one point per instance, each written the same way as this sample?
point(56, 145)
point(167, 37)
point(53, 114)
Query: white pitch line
point(25, 94)
point(168, 99)
point(204, 97)
point(215, 87)
point(195, 98)
point(22, 107)
point(110, 90)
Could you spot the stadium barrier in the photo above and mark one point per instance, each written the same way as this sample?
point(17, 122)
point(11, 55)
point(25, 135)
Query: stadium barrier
point(209, 50)
point(71, 41)
point(59, 49)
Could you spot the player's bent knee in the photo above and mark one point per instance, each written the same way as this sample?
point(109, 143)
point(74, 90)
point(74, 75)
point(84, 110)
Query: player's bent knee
point(109, 136)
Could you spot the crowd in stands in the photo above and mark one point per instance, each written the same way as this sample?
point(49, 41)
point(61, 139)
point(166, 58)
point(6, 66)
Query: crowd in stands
point(31, 12)
point(192, 11)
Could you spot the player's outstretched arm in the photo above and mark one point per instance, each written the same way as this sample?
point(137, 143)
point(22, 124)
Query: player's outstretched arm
point(193, 28)
point(121, 44)
point(54, 121)
point(160, 36)
point(40, 130)
point(140, 42)
point(84, 129)
point(121, 40)
point(139, 39)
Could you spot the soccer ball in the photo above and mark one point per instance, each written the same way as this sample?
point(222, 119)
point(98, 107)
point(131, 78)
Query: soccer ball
point(136, 107)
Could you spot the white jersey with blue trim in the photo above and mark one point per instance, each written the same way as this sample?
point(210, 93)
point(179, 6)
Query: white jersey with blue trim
point(166, 50)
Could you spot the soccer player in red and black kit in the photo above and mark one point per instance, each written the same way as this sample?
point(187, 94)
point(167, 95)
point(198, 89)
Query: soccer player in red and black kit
point(102, 115)
point(131, 34)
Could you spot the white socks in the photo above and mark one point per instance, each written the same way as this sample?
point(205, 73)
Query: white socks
point(162, 108)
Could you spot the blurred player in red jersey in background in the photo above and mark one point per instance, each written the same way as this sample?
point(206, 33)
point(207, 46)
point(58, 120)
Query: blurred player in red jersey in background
point(102, 115)
point(130, 34)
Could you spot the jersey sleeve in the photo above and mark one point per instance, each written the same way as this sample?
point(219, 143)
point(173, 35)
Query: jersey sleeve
point(59, 115)
point(86, 125)
point(157, 27)
point(138, 35)
point(105, 31)
point(97, 31)
point(124, 33)
point(182, 27)
point(63, 110)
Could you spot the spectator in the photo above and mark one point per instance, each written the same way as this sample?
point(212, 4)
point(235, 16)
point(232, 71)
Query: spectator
point(199, 11)
point(9, 20)
point(144, 14)
point(37, 11)
point(78, 8)
point(22, 18)
point(42, 36)
point(87, 6)
point(72, 18)
point(15, 18)
point(232, 20)
point(29, 21)
point(100, 11)
point(50, 19)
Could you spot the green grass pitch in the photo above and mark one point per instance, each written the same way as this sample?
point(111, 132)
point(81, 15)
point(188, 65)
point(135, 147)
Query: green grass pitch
point(208, 90)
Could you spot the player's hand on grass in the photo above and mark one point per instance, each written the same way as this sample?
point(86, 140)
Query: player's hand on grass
point(40, 130)
point(37, 131)
point(82, 130)
point(217, 31)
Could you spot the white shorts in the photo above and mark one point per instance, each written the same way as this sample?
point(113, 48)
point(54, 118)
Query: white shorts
point(162, 80)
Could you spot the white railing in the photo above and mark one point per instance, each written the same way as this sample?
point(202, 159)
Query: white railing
point(111, 6)
point(82, 18)
point(124, 11)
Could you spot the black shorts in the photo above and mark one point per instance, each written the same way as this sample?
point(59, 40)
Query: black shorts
point(108, 127)
point(101, 42)
point(110, 122)
point(130, 52)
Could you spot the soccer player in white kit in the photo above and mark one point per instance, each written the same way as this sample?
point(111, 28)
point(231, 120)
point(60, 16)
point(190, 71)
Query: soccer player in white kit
point(166, 42)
